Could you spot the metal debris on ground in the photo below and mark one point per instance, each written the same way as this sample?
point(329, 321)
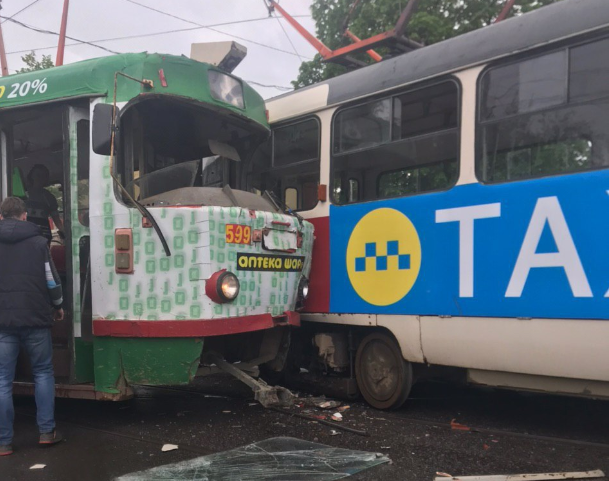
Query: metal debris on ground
point(319, 402)
point(273, 459)
point(524, 477)
point(459, 427)
point(169, 447)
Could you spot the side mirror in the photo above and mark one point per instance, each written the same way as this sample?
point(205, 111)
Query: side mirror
point(102, 128)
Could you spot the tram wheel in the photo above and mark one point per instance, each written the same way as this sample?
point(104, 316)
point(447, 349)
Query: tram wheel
point(383, 376)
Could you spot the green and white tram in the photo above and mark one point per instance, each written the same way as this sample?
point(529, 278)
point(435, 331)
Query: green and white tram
point(164, 258)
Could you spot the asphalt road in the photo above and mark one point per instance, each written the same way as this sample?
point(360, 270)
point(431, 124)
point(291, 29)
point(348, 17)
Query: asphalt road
point(509, 432)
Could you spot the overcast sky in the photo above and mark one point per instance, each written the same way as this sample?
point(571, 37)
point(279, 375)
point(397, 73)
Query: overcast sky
point(272, 60)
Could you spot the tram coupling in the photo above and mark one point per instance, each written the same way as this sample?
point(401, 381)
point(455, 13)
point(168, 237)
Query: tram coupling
point(268, 396)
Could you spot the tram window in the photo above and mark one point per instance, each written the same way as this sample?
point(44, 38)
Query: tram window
point(291, 198)
point(543, 132)
point(167, 147)
point(419, 152)
point(526, 86)
point(362, 126)
point(417, 114)
point(422, 179)
point(288, 164)
point(296, 143)
point(589, 72)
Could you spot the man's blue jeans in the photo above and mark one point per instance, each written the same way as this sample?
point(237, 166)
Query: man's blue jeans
point(39, 347)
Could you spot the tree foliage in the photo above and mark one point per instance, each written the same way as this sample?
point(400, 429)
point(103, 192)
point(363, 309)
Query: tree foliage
point(32, 63)
point(434, 20)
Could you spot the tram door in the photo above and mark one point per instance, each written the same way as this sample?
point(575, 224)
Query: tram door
point(78, 221)
point(40, 149)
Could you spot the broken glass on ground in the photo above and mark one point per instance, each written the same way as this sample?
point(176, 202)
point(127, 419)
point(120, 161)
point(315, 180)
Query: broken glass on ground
point(273, 459)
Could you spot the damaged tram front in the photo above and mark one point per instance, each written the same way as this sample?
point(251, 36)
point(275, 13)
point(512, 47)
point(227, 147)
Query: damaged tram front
point(166, 264)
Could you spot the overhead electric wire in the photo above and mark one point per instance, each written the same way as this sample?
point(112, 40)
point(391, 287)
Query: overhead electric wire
point(93, 43)
point(288, 37)
point(49, 32)
point(152, 34)
point(19, 11)
point(212, 29)
point(278, 87)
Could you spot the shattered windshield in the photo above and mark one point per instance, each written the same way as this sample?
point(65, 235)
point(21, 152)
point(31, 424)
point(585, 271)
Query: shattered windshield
point(207, 172)
point(165, 179)
point(168, 145)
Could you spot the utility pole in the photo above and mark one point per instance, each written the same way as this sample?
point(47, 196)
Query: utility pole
point(3, 63)
point(62, 34)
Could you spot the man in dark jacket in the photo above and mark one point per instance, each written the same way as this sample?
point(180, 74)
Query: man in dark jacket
point(29, 286)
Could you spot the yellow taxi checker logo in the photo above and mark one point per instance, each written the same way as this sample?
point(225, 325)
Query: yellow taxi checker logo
point(383, 257)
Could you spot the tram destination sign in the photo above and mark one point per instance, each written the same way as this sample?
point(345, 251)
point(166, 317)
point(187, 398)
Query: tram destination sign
point(272, 263)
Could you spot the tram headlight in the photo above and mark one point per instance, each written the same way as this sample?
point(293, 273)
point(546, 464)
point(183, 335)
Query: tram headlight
point(229, 286)
point(226, 88)
point(303, 289)
point(223, 286)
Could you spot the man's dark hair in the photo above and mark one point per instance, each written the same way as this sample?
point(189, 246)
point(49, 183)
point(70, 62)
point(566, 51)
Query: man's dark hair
point(12, 208)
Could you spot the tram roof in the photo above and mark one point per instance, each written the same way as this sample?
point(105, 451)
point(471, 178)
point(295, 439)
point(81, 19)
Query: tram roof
point(186, 79)
point(551, 23)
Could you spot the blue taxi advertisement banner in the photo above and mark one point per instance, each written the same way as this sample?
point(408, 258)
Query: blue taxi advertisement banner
point(536, 248)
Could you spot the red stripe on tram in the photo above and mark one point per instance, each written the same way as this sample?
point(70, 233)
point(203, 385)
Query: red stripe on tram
point(192, 328)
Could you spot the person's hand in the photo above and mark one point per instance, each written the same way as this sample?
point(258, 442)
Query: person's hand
point(58, 315)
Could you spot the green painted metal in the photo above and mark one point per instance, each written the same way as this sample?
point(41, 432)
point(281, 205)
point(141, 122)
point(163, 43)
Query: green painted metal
point(83, 361)
point(122, 361)
point(95, 77)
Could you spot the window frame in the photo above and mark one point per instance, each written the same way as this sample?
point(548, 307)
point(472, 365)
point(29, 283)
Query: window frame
point(515, 59)
point(86, 162)
point(393, 94)
point(289, 123)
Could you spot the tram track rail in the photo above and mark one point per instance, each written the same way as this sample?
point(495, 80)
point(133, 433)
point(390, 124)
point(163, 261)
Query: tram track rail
point(502, 432)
